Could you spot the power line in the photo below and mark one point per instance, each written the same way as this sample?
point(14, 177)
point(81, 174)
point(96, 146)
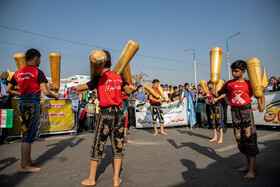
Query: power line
point(88, 45)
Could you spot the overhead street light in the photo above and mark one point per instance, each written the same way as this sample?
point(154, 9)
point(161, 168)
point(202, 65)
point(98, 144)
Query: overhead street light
point(229, 72)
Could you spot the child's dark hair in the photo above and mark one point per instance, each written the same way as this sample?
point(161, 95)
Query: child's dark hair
point(155, 80)
point(175, 87)
point(239, 64)
point(139, 86)
point(108, 62)
point(31, 54)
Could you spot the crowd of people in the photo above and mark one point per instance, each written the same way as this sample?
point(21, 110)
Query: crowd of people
point(109, 112)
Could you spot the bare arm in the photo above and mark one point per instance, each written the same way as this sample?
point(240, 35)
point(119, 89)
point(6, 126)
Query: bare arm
point(261, 104)
point(220, 97)
point(127, 90)
point(10, 89)
point(82, 87)
point(46, 91)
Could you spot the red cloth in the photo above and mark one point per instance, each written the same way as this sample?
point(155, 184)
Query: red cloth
point(66, 94)
point(155, 102)
point(126, 121)
point(109, 89)
point(27, 80)
point(82, 113)
point(238, 93)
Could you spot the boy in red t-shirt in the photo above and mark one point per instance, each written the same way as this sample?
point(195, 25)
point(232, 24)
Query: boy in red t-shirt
point(110, 120)
point(239, 93)
point(216, 114)
point(30, 81)
point(156, 110)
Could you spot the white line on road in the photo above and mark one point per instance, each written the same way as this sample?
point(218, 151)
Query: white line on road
point(229, 147)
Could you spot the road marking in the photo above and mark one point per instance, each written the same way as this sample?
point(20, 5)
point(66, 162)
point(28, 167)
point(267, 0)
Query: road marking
point(229, 147)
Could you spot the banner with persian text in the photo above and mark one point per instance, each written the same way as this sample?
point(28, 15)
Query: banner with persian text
point(56, 117)
point(175, 114)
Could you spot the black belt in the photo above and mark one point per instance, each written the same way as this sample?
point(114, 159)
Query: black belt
point(30, 96)
point(155, 104)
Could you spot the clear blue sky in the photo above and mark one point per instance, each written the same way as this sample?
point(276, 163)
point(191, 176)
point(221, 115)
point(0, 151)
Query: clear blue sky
point(162, 28)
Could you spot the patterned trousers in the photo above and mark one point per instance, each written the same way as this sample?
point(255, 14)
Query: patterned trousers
point(244, 129)
point(110, 122)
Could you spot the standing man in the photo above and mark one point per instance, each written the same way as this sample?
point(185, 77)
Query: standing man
point(30, 81)
point(156, 109)
point(110, 120)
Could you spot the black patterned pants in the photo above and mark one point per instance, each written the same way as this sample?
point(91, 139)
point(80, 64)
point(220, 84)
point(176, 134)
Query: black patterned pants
point(157, 112)
point(245, 130)
point(110, 122)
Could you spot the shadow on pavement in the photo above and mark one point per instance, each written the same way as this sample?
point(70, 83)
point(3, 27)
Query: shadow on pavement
point(7, 162)
point(223, 171)
point(49, 154)
point(191, 133)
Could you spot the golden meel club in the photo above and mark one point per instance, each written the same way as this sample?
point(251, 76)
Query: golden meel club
point(55, 60)
point(161, 92)
point(97, 60)
point(204, 86)
point(216, 55)
point(20, 60)
point(151, 91)
point(254, 72)
point(122, 66)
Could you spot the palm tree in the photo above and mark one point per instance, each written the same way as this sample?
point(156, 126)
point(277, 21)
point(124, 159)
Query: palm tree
point(140, 78)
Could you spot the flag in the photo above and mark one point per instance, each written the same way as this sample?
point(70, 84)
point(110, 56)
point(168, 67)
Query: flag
point(191, 112)
point(66, 94)
point(87, 94)
point(6, 117)
point(82, 113)
point(264, 79)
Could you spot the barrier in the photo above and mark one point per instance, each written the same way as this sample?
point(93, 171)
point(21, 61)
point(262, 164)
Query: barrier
point(56, 118)
point(175, 114)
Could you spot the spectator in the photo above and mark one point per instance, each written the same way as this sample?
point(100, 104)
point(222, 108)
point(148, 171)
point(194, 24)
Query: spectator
point(90, 113)
point(140, 95)
point(167, 96)
point(188, 91)
point(171, 89)
point(269, 87)
point(4, 100)
point(276, 85)
point(176, 94)
point(181, 88)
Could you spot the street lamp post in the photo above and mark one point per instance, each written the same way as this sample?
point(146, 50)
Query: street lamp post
point(194, 65)
point(228, 52)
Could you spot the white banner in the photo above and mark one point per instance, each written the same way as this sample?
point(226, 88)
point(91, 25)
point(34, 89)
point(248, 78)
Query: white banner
point(270, 116)
point(175, 114)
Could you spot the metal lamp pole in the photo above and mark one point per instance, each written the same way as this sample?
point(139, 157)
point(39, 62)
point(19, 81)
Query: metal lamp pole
point(228, 52)
point(194, 65)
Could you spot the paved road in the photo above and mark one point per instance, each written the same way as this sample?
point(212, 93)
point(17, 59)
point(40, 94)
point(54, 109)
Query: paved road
point(183, 158)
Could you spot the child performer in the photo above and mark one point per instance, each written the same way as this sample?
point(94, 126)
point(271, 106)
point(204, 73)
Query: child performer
point(156, 110)
point(239, 94)
point(216, 114)
point(110, 120)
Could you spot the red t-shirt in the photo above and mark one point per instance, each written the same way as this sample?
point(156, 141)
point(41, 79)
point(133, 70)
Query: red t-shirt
point(155, 102)
point(28, 80)
point(109, 88)
point(238, 93)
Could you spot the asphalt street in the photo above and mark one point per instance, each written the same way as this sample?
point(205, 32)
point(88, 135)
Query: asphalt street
point(183, 158)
